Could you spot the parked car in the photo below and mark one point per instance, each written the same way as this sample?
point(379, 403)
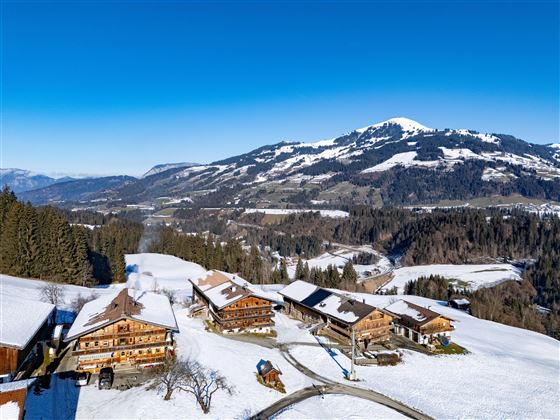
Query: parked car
point(82, 378)
point(106, 378)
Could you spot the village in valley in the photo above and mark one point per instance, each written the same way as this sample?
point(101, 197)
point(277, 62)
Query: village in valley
point(178, 341)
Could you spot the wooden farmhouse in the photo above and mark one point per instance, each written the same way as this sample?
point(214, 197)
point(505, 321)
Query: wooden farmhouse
point(419, 324)
point(233, 304)
point(12, 399)
point(268, 372)
point(340, 313)
point(126, 329)
point(26, 328)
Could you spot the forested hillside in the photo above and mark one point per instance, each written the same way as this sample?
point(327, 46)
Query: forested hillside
point(41, 243)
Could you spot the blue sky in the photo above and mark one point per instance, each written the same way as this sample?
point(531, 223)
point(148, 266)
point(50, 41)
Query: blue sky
point(116, 87)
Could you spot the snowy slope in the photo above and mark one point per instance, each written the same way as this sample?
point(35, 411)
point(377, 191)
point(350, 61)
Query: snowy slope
point(340, 256)
point(336, 407)
point(509, 372)
point(158, 271)
point(470, 276)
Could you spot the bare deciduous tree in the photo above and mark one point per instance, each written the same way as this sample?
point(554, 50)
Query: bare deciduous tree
point(170, 375)
point(77, 304)
point(170, 294)
point(189, 376)
point(203, 383)
point(52, 293)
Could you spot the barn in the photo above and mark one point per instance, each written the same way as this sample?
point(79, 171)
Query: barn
point(420, 324)
point(26, 328)
point(338, 314)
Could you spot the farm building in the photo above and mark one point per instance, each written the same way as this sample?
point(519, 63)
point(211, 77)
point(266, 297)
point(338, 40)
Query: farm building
point(128, 329)
point(12, 399)
point(26, 328)
point(419, 324)
point(232, 303)
point(461, 304)
point(268, 372)
point(340, 313)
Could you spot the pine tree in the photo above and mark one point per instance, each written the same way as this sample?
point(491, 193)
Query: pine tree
point(300, 273)
point(349, 275)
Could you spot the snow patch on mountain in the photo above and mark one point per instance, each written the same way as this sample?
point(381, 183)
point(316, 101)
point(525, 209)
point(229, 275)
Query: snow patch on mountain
point(166, 166)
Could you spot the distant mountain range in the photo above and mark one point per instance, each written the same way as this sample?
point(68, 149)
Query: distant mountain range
point(395, 162)
point(22, 180)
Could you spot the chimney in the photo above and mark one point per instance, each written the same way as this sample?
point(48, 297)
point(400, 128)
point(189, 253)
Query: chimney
point(364, 300)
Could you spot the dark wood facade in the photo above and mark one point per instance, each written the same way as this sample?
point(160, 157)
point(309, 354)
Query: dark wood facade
point(123, 344)
point(249, 313)
point(373, 328)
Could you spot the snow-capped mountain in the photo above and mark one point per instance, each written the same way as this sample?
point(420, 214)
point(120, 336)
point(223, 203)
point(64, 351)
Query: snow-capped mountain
point(398, 161)
point(22, 180)
point(167, 166)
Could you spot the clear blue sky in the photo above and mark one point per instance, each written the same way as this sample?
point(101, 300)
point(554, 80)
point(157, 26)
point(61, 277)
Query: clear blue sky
point(116, 87)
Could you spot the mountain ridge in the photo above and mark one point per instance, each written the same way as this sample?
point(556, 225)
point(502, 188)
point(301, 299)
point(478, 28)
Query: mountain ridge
point(393, 162)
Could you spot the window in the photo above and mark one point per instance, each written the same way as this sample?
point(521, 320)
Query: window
point(87, 344)
point(140, 351)
point(106, 343)
point(122, 353)
point(96, 344)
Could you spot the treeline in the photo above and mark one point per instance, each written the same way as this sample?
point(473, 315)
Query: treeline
point(41, 243)
point(329, 277)
point(510, 303)
point(211, 254)
point(286, 245)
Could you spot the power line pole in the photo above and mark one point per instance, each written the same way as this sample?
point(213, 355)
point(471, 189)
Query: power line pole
point(353, 376)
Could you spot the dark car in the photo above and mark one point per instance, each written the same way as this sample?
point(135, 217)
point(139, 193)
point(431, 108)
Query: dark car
point(106, 378)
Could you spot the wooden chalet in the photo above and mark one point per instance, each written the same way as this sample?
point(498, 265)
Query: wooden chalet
point(127, 329)
point(12, 399)
point(268, 372)
point(340, 313)
point(233, 304)
point(419, 324)
point(26, 328)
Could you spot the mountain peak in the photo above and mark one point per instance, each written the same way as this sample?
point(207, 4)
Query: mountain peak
point(405, 123)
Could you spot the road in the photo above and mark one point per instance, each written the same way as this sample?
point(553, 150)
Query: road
point(337, 388)
point(328, 386)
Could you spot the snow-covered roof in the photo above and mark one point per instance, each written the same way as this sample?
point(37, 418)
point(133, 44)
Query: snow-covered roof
point(462, 301)
point(222, 289)
point(9, 410)
point(147, 307)
point(21, 319)
point(328, 302)
point(298, 290)
point(413, 312)
point(331, 306)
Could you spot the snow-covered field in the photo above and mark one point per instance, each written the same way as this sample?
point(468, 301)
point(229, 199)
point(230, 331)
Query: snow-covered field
point(337, 407)
point(324, 213)
point(159, 271)
point(508, 372)
point(470, 276)
point(341, 255)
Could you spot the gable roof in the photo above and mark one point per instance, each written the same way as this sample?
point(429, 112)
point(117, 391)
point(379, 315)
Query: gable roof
point(335, 305)
point(265, 367)
point(298, 290)
point(21, 319)
point(145, 307)
point(222, 289)
point(413, 313)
